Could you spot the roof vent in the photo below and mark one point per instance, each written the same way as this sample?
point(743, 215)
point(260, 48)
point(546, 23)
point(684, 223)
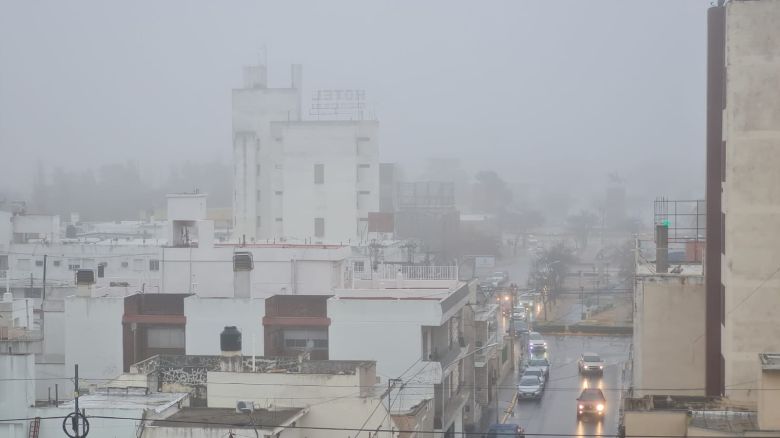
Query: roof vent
point(85, 277)
point(242, 261)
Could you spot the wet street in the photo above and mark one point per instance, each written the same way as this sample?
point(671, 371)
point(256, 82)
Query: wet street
point(555, 412)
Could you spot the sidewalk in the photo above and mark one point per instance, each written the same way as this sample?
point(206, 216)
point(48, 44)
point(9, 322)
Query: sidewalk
point(506, 394)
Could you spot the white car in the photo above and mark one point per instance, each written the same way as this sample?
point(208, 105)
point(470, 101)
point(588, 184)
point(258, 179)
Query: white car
point(591, 363)
point(536, 342)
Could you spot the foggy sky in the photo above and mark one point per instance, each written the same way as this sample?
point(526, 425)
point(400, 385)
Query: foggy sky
point(537, 90)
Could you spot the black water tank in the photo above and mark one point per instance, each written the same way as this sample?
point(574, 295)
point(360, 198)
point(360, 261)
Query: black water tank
point(230, 339)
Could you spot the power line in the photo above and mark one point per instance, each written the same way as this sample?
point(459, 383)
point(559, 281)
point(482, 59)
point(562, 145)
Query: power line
point(348, 429)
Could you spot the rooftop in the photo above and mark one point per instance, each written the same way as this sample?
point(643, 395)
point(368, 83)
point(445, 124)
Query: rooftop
point(647, 268)
point(229, 418)
point(248, 364)
point(770, 361)
point(128, 398)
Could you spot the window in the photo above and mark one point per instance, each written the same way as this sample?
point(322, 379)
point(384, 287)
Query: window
point(359, 266)
point(3, 262)
point(154, 265)
point(279, 192)
point(258, 196)
point(295, 343)
point(319, 227)
point(278, 219)
point(125, 264)
point(278, 167)
point(319, 174)
point(102, 269)
point(74, 264)
point(23, 264)
point(320, 344)
point(364, 166)
point(39, 263)
point(138, 264)
point(165, 337)
point(57, 263)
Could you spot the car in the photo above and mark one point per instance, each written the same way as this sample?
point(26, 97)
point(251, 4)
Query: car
point(590, 363)
point(500, 277)
point(487, 285)
point(499, 430)
point(591, 402)
point(530, 387)
point(536, 342)
point(519, 327)
point(519, 313)
point(534, 373)
point(540, 363)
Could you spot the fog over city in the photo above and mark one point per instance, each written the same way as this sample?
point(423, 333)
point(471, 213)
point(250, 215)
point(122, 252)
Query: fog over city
point(389, 219)
point(576, 89)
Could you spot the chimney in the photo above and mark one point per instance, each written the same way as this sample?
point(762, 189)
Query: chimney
point(242, 274)
point(661, 249)
point(230, 345)
point(85, 279)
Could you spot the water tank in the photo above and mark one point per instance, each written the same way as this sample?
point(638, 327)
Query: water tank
point(230, 339)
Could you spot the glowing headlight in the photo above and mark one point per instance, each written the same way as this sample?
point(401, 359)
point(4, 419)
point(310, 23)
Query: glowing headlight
point(600, 407)
point(601, 367)
point(582, 406)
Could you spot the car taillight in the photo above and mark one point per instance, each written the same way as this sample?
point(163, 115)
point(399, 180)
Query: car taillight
point(582, 406)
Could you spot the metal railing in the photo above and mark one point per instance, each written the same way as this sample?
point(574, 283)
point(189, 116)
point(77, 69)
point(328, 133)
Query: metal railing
point(408, 272)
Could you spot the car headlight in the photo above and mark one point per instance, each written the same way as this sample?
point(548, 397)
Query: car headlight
point(582, 406)
point(600, 407)
point(601, 367)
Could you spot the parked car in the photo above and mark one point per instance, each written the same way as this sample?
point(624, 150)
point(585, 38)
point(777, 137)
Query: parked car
point(505, 431)
point(534, 373)
point(520, 326)
point(591, 402)
point(530, 387)
point(540, 363)
point(590, 363)
point(536, 342)
point(499, 277)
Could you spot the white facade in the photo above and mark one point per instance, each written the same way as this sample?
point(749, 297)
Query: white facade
point(295, 179)
point(93, 336)
point(207, 317)
point(416, 332)
point(751, 192)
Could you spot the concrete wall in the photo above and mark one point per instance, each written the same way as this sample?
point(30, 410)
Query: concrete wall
point(93, 336)
point(186, 207)
point(769, 400)
point(385, 330)
point(339, 147)
point(668, 338)
point(253, 145)
point(333, 400)
point(48, 227)
point(751, 192)
point(98, 427)
point(207, 317)
point(656, 423)
point(16, 395)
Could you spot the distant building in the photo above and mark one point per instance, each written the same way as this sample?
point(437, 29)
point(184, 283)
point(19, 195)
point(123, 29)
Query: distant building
point(296, 179)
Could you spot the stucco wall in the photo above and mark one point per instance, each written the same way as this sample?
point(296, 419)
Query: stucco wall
point(16, 395)
point(207, 317)
point(751, 191)
point(656, 423)
point(769, 400)
point(669, 341)
point(388, 331)
point(93, 336)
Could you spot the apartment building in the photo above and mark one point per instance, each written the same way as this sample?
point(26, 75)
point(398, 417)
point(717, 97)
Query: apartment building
point(297, 179)
point(743, 194)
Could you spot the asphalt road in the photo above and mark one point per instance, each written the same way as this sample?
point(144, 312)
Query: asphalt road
point(555, 412)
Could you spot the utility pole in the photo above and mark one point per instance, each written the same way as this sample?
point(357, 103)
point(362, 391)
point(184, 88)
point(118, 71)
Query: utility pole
point(43, 286)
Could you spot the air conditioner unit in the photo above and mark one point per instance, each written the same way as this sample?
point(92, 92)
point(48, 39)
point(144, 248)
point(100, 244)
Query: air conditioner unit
point(243, 407)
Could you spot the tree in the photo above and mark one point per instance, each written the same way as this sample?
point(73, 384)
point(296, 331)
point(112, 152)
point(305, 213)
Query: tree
point(580, 225)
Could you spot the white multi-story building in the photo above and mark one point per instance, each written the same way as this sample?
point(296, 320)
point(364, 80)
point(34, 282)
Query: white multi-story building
point(296, 179)
point(418, 323)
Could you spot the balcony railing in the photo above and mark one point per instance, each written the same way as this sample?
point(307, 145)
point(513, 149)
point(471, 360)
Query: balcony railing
point(409, 272)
